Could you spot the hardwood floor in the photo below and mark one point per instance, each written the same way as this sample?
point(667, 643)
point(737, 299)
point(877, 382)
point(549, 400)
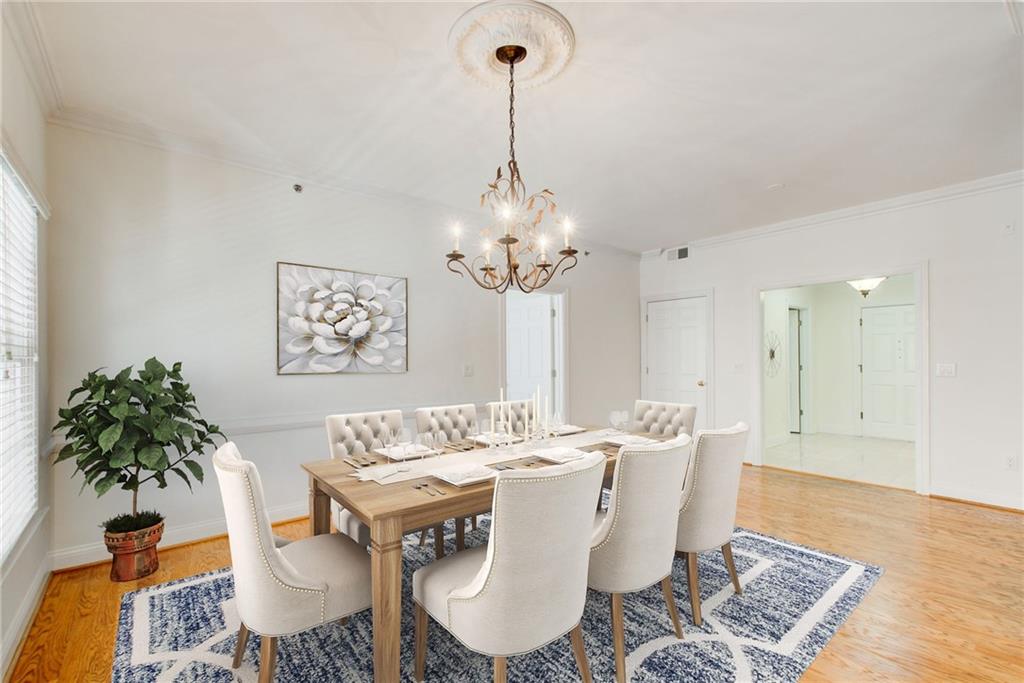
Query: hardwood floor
point(950, 606)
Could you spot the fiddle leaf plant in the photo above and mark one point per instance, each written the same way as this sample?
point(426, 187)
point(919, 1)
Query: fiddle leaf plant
point(125, 431)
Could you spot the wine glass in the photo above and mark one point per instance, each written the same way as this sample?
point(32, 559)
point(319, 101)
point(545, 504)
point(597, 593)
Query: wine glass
point(377, 448)
point(556, 422)
point(424, 443)
point(403, 438)
point(440, 442)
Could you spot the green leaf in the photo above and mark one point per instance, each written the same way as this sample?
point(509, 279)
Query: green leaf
point(156, 369)
point(195, 468)
point(161, 480)
point(154, 387)
point(121, 457)
point(99, 393)
point(164, 431)
point(185, 429)
point(150, 456)
point(105, 484)
point(183, 476)
point(123, 410)
point(67, 452)
point(110, 435)
point(123, 376)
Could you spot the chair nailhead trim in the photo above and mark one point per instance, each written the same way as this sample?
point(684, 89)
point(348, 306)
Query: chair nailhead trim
point(494, 515)
point(263, 554)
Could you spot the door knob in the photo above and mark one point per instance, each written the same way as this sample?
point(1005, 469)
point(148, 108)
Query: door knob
point(700, 383)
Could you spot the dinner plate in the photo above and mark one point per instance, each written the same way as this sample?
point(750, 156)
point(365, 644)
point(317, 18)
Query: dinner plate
point(495, 438)
point(566, 430)
point(630, 440)
point(559, 454)
point(463, 475)
point(399, 453)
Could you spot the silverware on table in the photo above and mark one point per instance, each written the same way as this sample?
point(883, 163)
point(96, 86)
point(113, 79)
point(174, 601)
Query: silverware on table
point(423, 486)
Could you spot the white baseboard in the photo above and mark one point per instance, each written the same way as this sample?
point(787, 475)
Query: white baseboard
point(19, 625)
point(88, 553)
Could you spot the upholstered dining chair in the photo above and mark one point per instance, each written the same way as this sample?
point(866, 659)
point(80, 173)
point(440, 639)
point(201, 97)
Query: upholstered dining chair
point(528, 585)
point(663, 419)
point(287, 589)
point(353, 434)
point(457, 423)
point(516, 412)
point(633, 544)
point(707, 509)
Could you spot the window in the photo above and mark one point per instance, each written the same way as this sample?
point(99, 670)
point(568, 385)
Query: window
point(19, 449)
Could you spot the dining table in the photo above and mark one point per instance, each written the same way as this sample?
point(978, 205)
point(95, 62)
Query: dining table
point(400, 504)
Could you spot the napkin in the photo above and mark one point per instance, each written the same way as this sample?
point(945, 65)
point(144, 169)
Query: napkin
point(402, 453)
point(459, 473)
point(559, 454)
point(630, 440)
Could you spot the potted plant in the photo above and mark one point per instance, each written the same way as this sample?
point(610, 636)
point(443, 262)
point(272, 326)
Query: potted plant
point(125, 431)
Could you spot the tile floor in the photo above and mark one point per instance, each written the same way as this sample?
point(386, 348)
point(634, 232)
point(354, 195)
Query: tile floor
point(876, 461)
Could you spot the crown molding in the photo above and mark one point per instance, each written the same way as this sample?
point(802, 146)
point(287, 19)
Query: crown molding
point(1015, 22)
point(30, 42)
point(940, 194)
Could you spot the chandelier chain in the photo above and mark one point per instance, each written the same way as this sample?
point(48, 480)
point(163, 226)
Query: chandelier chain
point(511, 118)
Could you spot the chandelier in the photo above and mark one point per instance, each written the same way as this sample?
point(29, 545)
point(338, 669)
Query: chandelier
point(516, 249)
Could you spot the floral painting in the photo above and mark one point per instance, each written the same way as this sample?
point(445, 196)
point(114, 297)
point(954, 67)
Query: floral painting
point(338, 321)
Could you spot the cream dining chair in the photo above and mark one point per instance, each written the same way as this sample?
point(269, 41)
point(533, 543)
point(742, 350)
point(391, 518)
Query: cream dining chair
point(457, 423)
point(353, 434)
point(528, 585)
point(280, 591)
point(633, 544)
point(516, 412)
point(707, 509)
point(663, 419)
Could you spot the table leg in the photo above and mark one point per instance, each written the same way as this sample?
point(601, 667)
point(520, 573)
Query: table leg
point(319, 509)
point(386, 567)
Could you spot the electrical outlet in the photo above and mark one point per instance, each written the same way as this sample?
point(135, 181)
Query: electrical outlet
point(1012, 462)
point(467, 370)
point(945, 369)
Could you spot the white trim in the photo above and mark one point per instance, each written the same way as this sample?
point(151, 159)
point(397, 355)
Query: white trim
point(183, 533)
point(941, 194)
point(15, 631)
point(1015, 23)
point(709, 343)
point(31, 45)
point(35, 191)
point(922, 443)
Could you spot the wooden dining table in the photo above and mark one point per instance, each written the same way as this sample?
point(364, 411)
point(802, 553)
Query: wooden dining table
point(391, 511)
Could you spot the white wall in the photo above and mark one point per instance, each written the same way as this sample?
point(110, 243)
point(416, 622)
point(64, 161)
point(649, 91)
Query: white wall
point(24, 573)
point(974, 289)
point(831, 311)
point(161, 253)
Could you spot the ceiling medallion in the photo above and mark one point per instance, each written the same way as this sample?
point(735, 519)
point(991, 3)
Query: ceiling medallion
point(489, 41)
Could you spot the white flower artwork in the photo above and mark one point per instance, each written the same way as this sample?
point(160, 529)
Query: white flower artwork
point(338, 321)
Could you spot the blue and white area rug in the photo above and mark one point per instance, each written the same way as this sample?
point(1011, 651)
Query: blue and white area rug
point(794, 600)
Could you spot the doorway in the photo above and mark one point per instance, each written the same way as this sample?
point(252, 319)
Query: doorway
point(534, 328)
point(675, 353)
point(839, 380)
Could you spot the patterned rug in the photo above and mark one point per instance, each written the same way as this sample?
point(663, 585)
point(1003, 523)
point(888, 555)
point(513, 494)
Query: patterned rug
point(794, 600)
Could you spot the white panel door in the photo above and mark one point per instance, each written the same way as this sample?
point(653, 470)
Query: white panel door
point(677, 353)
point(529, 345)
point(889, 383)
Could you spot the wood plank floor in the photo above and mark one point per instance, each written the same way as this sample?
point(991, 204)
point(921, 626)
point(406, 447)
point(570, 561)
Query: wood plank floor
point(950, 606)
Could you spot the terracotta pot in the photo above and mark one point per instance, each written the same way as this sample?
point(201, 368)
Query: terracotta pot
point(134, 552)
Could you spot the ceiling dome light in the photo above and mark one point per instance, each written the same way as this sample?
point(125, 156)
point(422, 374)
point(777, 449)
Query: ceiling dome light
point(866, 285)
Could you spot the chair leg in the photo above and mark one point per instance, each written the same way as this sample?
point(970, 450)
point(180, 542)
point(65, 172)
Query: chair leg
point(727, 554)
point(243, 640)
point(500, 670)
point(268, 658)
point(693, 581)
point(423, 538)
point(439, 541)
point(670, 600)
point(576, 635)
point(343, 621)
point(421, 642)
point(619, 636)
point(474, 522)
point(460, 533)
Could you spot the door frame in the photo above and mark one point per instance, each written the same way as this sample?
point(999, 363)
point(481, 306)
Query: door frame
point(560, 355)
point(709, 343)
point(922, 445)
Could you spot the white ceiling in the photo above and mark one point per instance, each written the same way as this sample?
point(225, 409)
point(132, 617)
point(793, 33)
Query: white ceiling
point(669, 125)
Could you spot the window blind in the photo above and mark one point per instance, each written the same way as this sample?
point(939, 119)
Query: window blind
point(19, 448)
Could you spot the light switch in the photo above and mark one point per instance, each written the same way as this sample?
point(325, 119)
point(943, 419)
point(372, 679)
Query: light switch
point(467, 370)
point(945, 369)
